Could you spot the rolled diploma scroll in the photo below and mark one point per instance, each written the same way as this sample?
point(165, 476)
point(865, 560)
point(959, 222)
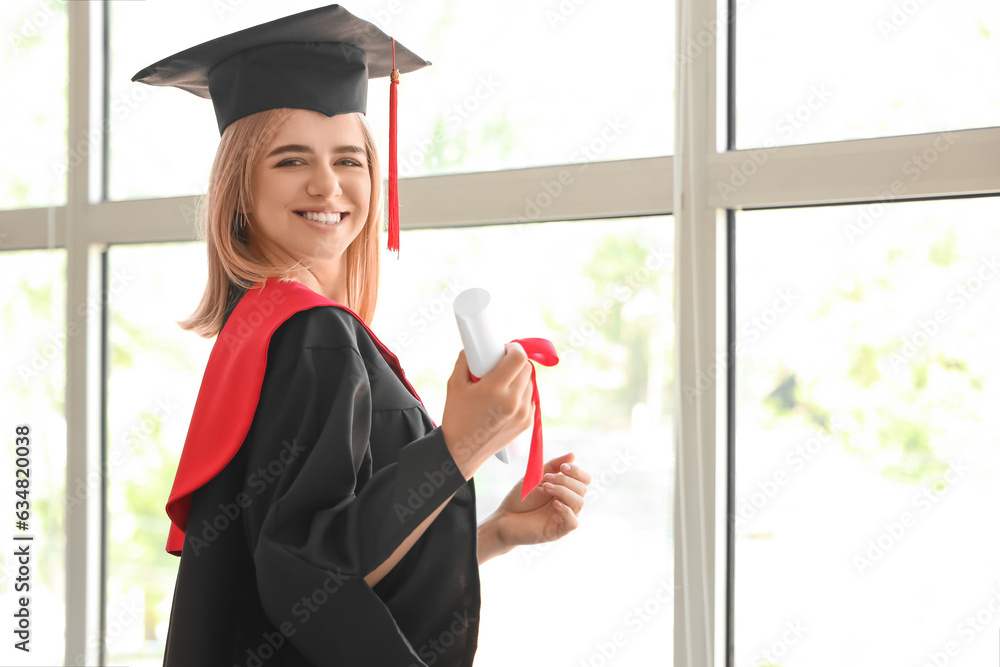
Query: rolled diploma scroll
point(483, 349)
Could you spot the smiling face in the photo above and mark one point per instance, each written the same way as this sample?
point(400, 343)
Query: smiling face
point(311, 191)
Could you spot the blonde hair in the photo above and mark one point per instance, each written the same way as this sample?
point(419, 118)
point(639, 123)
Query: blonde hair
point(222, 224)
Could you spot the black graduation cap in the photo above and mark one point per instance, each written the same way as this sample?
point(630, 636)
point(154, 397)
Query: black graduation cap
point(320, 59)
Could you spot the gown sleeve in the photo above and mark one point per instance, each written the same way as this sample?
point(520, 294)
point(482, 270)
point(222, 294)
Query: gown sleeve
point(318, 519)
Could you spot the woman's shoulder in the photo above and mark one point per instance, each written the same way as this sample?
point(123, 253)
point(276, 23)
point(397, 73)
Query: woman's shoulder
point(318, 327)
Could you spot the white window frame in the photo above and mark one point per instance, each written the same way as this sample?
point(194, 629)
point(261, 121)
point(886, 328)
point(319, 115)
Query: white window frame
point(815, 174)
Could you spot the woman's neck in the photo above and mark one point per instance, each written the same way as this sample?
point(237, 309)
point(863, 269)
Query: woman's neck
point(329, 280)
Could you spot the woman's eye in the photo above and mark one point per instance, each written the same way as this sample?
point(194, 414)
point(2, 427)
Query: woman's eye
point(294, 162)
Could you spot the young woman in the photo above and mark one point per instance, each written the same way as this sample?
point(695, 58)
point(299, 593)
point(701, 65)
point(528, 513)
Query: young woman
point(321, 516)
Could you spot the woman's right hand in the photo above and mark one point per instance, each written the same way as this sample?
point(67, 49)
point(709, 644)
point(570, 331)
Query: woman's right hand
point(481, 418)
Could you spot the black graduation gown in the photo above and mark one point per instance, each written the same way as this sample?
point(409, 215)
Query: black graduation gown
point(340, 464)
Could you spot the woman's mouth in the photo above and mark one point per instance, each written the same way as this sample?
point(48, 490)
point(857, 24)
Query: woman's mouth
point(324, 218)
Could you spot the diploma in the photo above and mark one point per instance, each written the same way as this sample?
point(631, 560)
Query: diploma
point(483, 349)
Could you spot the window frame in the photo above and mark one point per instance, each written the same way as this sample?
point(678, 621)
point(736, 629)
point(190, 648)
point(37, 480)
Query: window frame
point(843, 172)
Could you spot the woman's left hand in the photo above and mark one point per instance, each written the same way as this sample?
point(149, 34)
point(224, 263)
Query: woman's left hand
point(550, 511)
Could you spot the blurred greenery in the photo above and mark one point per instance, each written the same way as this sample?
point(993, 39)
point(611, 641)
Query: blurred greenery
point(137, 555)
point(37, 379)
point(624, 348)
point(899, 387)
point(35, 38)
point(32, 391)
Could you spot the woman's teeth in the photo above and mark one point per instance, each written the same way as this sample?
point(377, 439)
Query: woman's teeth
point(326, 218)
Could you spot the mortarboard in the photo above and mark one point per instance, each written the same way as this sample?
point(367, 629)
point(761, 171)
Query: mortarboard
point(320, 59)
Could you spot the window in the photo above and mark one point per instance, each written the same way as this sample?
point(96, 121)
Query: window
point(154, 375)
point(865, 441)
point(694, 404)
point(607, 389)
point(455, 117)
point(863, 68)
point(458, 115)
point(602, 294)
point(32, 392)
point(33, 69)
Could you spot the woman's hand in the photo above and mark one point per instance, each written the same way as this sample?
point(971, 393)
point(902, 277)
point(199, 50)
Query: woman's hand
point(481, 418)
point(548, 513)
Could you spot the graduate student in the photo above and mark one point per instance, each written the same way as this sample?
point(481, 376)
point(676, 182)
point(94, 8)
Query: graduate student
point(321, 516)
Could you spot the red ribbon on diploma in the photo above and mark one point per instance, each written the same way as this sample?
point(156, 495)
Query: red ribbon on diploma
point(544, 352)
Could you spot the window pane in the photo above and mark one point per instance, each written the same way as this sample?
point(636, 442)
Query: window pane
point(809, 71)
point(148, 421)
point(162, 140)
point(866, 450)
point(602, 293)
point(33, 393)
point(33, 161)
point(608, 400)
point(556, 94)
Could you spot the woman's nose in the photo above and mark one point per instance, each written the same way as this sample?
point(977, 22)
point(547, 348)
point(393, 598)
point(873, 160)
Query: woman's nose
point(323, 181)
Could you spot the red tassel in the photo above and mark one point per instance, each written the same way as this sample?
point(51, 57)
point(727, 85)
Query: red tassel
point(393, 170)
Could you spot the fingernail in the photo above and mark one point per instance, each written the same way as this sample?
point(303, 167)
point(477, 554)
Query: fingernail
point(549, 477)
point(565, 467)
point(549, 485)
point(556, 503)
